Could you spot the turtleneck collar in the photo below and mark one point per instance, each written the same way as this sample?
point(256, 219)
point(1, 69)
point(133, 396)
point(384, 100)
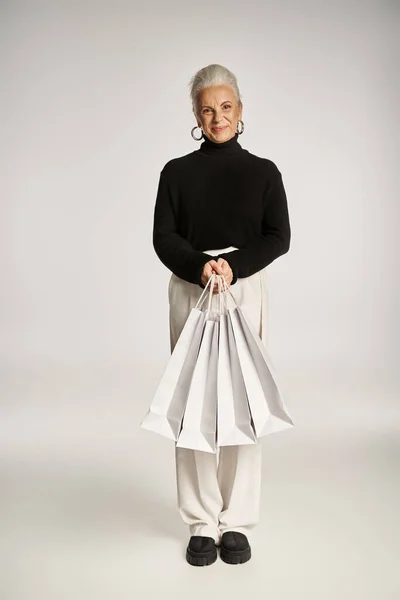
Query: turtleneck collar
point(227, 148)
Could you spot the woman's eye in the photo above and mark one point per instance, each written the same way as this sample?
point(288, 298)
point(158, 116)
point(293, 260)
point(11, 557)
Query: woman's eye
point(227, 106)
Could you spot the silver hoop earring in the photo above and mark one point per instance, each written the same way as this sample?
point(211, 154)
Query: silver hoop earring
point(242, 127)
point(195, 138)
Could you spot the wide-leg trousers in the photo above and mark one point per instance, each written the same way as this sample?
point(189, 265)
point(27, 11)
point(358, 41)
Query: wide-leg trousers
point(219, 492)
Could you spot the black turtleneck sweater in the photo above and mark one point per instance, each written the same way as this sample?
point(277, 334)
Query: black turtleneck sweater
point(218, 196)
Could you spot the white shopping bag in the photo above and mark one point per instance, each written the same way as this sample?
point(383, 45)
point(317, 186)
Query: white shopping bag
point(199, 419)
point(268, 411)
point(167, 407)
point(234, 425)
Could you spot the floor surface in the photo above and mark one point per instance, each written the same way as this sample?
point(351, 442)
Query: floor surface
point(88, 499)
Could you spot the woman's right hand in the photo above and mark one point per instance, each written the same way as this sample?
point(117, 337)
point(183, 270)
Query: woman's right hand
point(209, 269)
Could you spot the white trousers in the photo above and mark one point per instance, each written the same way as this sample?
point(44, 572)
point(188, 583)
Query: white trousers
point(219, 492)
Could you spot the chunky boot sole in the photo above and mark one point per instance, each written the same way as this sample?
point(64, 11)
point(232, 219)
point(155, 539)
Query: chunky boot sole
point(201, 559)
point(235, 557)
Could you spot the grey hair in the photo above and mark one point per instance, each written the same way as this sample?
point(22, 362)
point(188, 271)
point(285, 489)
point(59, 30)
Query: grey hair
point(212, 75)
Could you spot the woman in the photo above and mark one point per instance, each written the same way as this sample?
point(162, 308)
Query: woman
point(219, 209)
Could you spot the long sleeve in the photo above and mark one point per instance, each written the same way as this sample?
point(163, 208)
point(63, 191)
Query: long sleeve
point(260, 251)
point(174, 251)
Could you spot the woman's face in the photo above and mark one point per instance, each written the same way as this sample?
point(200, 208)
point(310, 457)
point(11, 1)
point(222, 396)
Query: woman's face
point(218, 112)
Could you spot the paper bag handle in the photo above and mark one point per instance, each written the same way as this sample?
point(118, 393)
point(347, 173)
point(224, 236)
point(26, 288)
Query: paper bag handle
point(222, 297)
point(226, 289)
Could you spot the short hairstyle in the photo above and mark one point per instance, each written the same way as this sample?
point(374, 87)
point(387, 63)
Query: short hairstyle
point(212, 75)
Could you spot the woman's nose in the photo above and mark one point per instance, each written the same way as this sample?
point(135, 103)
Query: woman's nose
point(217, 117)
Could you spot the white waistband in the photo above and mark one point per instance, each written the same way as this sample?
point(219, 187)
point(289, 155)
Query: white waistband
point(221, 250)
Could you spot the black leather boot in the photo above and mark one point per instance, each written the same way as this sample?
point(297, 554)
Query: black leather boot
point(201, 551)
point(235, 548)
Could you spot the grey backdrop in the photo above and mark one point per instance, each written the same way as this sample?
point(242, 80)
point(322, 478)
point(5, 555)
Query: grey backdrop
point(94, 102)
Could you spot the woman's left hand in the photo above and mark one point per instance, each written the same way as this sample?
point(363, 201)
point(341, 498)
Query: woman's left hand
point(226, 271)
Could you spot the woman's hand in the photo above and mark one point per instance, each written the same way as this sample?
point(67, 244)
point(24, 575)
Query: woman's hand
point(221, 267)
